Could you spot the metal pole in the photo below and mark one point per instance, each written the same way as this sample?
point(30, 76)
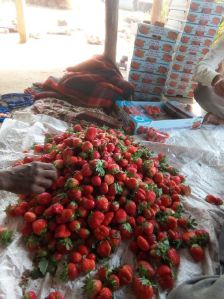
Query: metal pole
point(111, 10)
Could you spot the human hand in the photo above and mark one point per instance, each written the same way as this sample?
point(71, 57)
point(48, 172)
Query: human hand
point(218, 85)
point(34, 177)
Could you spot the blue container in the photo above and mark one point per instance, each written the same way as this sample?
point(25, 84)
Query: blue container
point(16, 100)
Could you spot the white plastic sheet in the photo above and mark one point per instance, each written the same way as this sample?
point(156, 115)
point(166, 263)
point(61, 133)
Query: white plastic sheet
point(198, 154)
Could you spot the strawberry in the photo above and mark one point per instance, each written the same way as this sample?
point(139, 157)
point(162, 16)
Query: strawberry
point(44, 198)
point(120, 216)
point(87, 189)
point(87, 147)
point(39, 226)
point(109, 179)
point(165, 277)
point(142, 288)
point(173, 257)
point(77, 128)
point(96, 181)
point(115, 238)
point(30, 216)
point(95, 219)
point(102, 203)
point(73, 272)
point(30, 295)
point(91, 133)
point(104, 293)
point(197, 252)
point(103, 249)
point(125, 274)
point(101, 232)
point(87, 265)
point(71, 183)
point(130, 208)
point(131, 183)
point(103, 272)
point(55, 295)
point(108, 217)
point(189, 238)
point(92, 287)
point(145, 269)
point(158, 178)
point(74, 226)
point(142, 243)
point(202, 237)
point(75, 257)
point(148, 228)
point(126, 231)
point(104, 188)
point(84, 233)
point(83, 250)
point(166, 200)
point(214, 200)
point(61, 231)
point(113, 282)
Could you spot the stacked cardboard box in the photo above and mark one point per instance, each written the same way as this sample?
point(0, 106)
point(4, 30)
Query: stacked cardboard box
point(199, 29)
point(151, 61)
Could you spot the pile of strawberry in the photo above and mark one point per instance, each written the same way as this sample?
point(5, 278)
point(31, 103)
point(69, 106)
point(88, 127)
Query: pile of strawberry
point(108, 190)
point(151, 134)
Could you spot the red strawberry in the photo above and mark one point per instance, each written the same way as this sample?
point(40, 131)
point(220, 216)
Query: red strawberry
point(103, 272)
point(44, 198)
point(104, 293)
point(55, 295)
point(214, 200)
point(126, 231)
point(95, 219)
point(74, 226)
point(104, 249)
point(109, 179)
point(142, 243)
point(114, 282)
point(142, 288)
point(73, 272)
point(171, 222)
point(197, 252)
point(30, 295)
point(61, 231)
point(87, 265)
point(102, 203)
point(39, 226)
point(101, 232)
point(71, 183)
point(115, 238)
point(165, 277)
point(173, 257)
point(131, 183)
point(75, 257)
point(130, 208)
point(145, 269)
point(104, 188)
point(189, 237)
point(125, 274)
point(148, 228)
point(120, 216)
point(77, 128)
point(91, 133)
point(96, 180)
point(108, 217)
point(29, 216)
point(202, 237)
point(92, 287)
point(87, 147)
point(84, 233)
point(83, 250)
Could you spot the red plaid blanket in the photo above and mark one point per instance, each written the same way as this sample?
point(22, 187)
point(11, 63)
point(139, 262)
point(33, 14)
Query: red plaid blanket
point(94, 83)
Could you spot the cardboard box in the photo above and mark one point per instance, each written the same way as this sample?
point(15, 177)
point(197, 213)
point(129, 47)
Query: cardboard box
point(185, 93)
point(141, 96)
point(184, 68)
point(154, 44)
point(198, 30)
point(176, 84)
point(157, 32)
point(193, 40)
point(155, 68)
point(147, 78)
point(185, 49)
point(144, 120)
point(206, 7)
point(187, 58)
point(148, 88)
point(204, 19)
point(152, 56)
point(181, 77)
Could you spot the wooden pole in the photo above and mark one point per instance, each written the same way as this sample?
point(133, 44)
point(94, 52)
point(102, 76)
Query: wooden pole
point(20, 11)
point(111, 10)
point(156, 11)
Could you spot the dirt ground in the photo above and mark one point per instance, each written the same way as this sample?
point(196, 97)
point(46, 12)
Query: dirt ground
point(57, 39)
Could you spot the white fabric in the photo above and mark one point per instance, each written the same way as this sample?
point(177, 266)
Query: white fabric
point(206, 69)
point(198, 154)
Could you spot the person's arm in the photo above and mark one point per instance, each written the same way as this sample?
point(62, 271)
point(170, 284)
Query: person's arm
point(34, 178)
point(206, 71)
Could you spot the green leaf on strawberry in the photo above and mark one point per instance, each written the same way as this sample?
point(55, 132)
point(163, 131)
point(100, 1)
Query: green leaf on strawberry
point(43, 265)
point(100, 167)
